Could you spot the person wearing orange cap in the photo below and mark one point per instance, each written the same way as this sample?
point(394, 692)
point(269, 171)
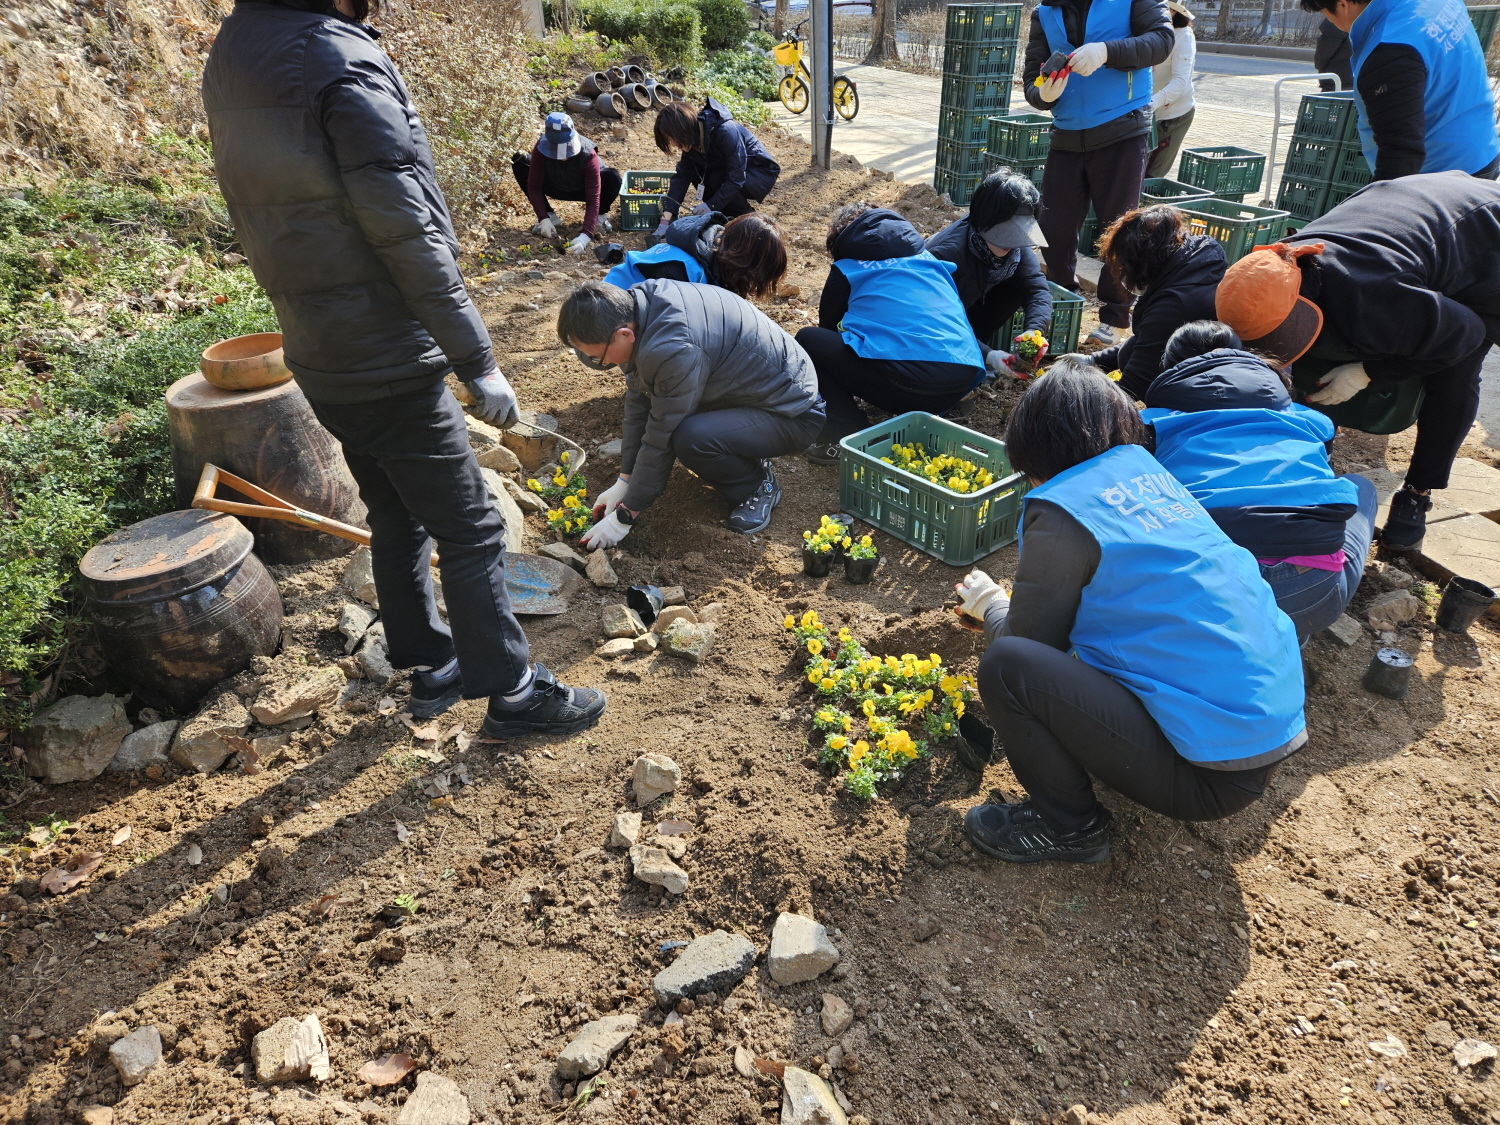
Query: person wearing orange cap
point(1385, 307)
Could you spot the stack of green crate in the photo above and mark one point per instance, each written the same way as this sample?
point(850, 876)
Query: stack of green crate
point(1230, 173)
point(1018, 141)
point(979, 62)
point(1324, 164)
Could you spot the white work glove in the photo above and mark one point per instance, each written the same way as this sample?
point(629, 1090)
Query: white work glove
point(1340, 385)
point(1089, 58)
point(579, 244)
point(977, 593)
point(606, 533)
point(661, 229)
point(494, 401)
point(546, 228)
point(1000, 362)
point(1052, 88)
point(608, 500)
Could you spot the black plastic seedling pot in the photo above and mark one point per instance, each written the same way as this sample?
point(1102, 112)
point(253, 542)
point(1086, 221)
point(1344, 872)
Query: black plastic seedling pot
point(1464, 601)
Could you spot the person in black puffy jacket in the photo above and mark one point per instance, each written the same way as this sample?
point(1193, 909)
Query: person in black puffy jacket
point(326, 171)
point(723, 159)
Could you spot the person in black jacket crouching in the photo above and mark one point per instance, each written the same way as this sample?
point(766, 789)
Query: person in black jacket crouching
point(998, 274)
point(329, 181)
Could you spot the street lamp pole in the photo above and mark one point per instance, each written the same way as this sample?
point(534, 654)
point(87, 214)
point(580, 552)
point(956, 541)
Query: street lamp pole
point(821, 49)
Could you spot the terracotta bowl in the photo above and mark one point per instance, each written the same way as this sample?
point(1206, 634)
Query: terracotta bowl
point(245, 363)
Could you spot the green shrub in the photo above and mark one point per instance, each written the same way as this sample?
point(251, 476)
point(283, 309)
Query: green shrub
point(726, 23)
point(762, 39)
point(748, 74)
point(672, 27)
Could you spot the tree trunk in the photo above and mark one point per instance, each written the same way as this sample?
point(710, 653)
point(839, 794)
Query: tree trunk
point(1225, 7)
point(1265, 19)
point(883, 33)
point(782, 7)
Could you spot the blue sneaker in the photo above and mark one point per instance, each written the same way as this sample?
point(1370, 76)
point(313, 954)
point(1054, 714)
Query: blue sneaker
point(754, 514)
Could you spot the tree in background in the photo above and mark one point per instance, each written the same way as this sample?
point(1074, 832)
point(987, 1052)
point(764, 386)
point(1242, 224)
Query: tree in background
point(883, 33)
point(782, 7)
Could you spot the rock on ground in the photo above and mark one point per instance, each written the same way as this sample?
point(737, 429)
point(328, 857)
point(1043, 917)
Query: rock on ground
point(1345, 630)
point(800, 950)
point(599, 572)
point(299, 699)
point(673, 595)
point(565, 555)
point(620, 646)
point(610, 450)
point(625, 831)
point(97, 1115)
point(691, 642)
point(136, 1054)
point(525, 499)
point(354, 622)
point(75, 738)
point(435, 1101)
point(510, 511)
point(590, 1051)
point(489, 450)
point(670, 614)
point(290, 1050)
point(646, 642)
point(1391, 609)
point(359, 577)
point(654, 866)
point(713, 613)
point(715, 962)
point(807, 1100)
point(837, 1015)
point(653, 775)
point(621, 621)
point(145, 747)
point(200, 744)
point(374, 656)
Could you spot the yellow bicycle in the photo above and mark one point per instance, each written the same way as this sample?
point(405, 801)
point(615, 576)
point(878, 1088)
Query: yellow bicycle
point(795, 90)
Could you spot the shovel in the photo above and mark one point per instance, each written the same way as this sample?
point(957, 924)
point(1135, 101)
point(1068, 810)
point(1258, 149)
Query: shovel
point(535, 584)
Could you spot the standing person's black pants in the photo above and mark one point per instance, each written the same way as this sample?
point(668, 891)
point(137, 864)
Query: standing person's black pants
point(1449, 407)
point(1060, 720)
point(894, 386)
point(553, 188)
point(417, 475)
point(1109, 178)
point(725, 447)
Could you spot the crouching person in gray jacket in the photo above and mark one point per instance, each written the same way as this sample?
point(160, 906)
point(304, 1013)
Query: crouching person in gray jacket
point(710, 380)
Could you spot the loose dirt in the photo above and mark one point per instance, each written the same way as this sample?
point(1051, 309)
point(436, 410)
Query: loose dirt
point(1237, 971)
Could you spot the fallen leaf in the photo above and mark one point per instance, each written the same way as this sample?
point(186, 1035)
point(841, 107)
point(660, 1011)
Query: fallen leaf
point(78, 868)
point(440, 803)
point(426, 733)
point(41, 834)
point(248, 757)
point(772, 1068)
point(402, 832)
point(440, 783)
point(451, 732)
point(386, 706)
point(1472, 1052)
point(673, 827)
point(1390, 1046)
point(387, 1070)
point(120, 836)
point(194, 855)
point(221, 893)
point(462, 741)
point(842, 1100)
point(327, 904)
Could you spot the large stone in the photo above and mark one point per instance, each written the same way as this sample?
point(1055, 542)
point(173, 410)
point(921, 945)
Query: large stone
point(1391, 609)
point(1474, 487)
point(807, 1100)
point(565, 555)
point(374, 655)
point(145, 747)
point(510, 511)
point(652, 775)
point(359, 577)
point(1345, 630)
point(499, 458)
point(800, 950)
point(291, 1050)
point(672, 613)
point(590, 1051)
point(837, 1015)
point(621, 621)
point(302, 697)
point(609, 451)
point(354, 622)
point(435, 1101)
point(715, 962)
point(613, 649)
point(673, 595)
point(1469, 547)
point(599, 572)
point(654, 866)
point(136, 1054)
point(482, 435)
point(525, 499)
point(647, 642)
point(75, 738)
point(625, 831)
point(200, 744)
point(691, 642)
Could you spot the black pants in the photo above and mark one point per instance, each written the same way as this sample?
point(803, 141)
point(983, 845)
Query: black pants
point(554, 188)
point(1448, 411)
point(417, 475)
point(725, 447)
point(1109, 178)
point(1060, 720)
point(992, 314)
point(891, 385)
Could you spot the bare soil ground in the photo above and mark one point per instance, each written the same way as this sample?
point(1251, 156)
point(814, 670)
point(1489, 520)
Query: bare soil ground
point(1236, 971)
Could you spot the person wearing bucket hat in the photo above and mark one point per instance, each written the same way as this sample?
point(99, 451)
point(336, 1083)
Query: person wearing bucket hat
point(563, 164)
point(1172, 97)
point(1386, 307)
point(994, 248)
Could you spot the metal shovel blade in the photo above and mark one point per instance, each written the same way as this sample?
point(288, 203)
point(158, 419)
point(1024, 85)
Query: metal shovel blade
point(536, 585)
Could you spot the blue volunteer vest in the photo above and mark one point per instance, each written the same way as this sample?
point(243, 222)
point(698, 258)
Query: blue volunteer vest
point(1459, 108)
point(1247, 458)
point(1107, 93)
point(627, 272)
point(908, 309)
point(1180, 615)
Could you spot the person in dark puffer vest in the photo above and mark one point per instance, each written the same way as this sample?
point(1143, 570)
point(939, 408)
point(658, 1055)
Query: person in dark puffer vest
point(1226, 427)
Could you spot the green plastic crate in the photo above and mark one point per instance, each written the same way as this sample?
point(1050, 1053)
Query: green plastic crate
point(963, 126)
point(1088, 235)
point(1062, 334)
point(979, 60)
point(1236, 226)
point(643, 211)
point(1159, 189)
point(1328, 117)
point(1484, 17)
point(1031, 169)
point(957, 529)
point(1302, 199)
point(961, 158)
point(975, 95)
point(1223, 168)
point(1020, 136)
point(959, 186)
point(1337, 195)
point(1310, 158)
point(983, 22)
point(1351, 171)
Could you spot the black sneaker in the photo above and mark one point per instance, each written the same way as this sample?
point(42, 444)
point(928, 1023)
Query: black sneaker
point(754, 514)
point(553, 708)
point(1017, 834)
point(822, 453)
point(1406, 524)
point(436, 690)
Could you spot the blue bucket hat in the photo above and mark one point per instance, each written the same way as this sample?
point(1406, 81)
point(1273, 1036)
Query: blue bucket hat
point(558, 140)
